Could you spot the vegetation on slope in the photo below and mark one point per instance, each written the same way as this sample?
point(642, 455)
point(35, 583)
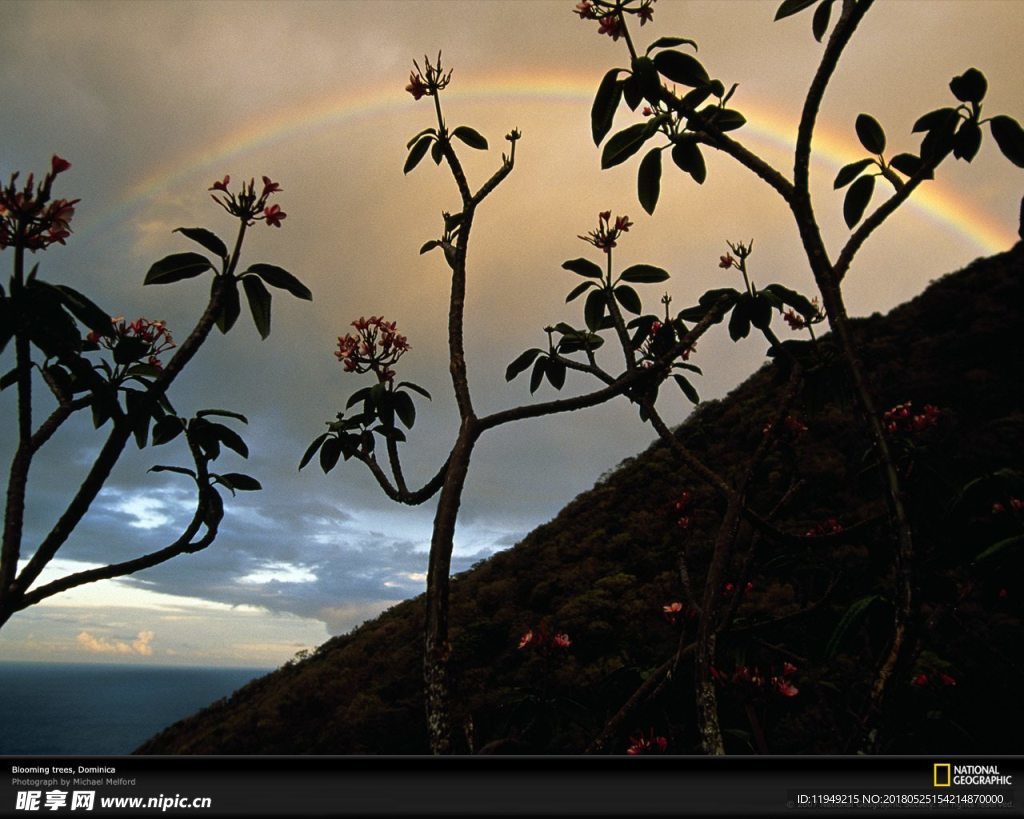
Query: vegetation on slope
point(813, 619)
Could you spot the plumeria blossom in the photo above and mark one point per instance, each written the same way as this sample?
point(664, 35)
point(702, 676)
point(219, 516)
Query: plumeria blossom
point(542, 641)
point(428, 81)
point(376, 347)
point(831, 526)
point(247, 205)
point(752, 681)
point(604, 238)
point(650, 744)
point(153, 338)
point(29, 217)
point(609, 15)
point(902, 420)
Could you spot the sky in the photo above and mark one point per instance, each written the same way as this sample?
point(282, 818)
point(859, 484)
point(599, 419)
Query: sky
point(154, 101)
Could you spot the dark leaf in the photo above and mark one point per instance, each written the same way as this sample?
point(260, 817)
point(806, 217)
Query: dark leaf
point(687, 156)
point(646, 76)
point(606, 101)
point(594, 309)
point(281, 279)
point(628, 298)
point(178, 470)
point(416, 153)
point(997, 549)
point(624, 144)
point(670, 42)
point(537, 376)
point(414, 387)
point(969, 86)
point(313, 449)
point(428, 246)
point(579, 290)
point(1009, 136)
point(404, 408)
point(870, 133)
point(167, 429)
point(691, 99)
point(85, 310)
point(933, 119)
point(739, 321)
point(230, 308)
point(521, 363)
point(725, 119)
point(760, 312)
point(792, 7)
point(207, 239)
point(798, 302)
point(648, 180)
point(140, 421)
point(437, 152)
point(583, 267)
point(176, 267)
point(631, 92)
point(967, 141)
point(129, 349)
point(231, 439)
point(330, 451)
point(681, 68)
point(687, 388)
point(908, 165)
point(819, 25)
point(857, 198)
point(259, 304)
point(644, 274)
point(222, 413)
point(236, 480)
point(848, 173)
point(555, 371)
point(471, 137)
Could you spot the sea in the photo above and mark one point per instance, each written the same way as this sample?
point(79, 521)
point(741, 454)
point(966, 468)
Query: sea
point(105, 710)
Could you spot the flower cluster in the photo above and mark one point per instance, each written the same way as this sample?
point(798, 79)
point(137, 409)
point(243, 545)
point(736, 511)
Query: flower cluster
point(376, 347)
point(609, 15)
point(1013, 504)
point(729, 588)
point(540, 639)
point(680, 508)
point(247, 205)
point(29, 217)
point(607, 233)
point(791, 425)
point(650, 744)
point(150, 338)
point(657, 341)
point(673, 611)
point(938, 678)
point(428, 81)
point(753, 681)
point(827, 527)
point(796, 321)
point(902, 419)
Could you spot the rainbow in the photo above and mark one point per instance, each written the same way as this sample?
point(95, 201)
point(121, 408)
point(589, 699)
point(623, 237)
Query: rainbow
point(939, 204)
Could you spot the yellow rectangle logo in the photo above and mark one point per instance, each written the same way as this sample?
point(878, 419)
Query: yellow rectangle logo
point(941, 775)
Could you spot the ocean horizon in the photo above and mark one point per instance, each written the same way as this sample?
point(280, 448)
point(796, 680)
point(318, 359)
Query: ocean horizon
point(102, 709)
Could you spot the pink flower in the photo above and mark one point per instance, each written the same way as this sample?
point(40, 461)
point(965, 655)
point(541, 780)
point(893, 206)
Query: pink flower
point(920, 680)
point(645, 13)
point(647, 111)
point(612, 26)
point(785, 688)
point(561, 640)
point(526, 639)
point(945, 679)
point(622, 223)
point(726, 261)
point(651, 744)
point(794, 320)
point(222, 185)
point(416, 86)
point(585, 10)
point(269, 187)
point(273, 214)
point(58, 165)
point(787, 669)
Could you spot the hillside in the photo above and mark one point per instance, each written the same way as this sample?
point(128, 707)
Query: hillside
point(604, 568)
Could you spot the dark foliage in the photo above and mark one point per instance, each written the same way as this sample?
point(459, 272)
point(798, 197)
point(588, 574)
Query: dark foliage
point(604, 568)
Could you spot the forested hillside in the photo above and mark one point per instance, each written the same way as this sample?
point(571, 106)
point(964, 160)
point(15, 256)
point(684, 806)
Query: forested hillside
point(555, 636)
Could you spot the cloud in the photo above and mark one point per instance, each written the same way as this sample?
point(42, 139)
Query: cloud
point(140, 646)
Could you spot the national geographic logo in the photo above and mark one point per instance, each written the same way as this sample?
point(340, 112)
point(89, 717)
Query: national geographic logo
point(946, 774)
